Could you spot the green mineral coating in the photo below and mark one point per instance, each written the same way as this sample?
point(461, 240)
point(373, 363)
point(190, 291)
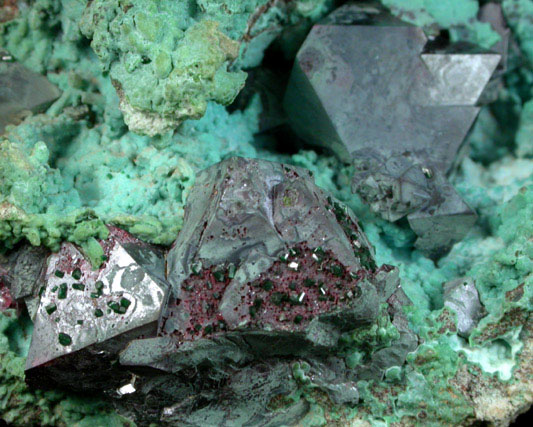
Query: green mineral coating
point(93, 251)
point(268, 285)
point(124, 302)
point(62, 294)
point(116, 307)
point(196, 268)
point(231, 271)
point(278, 298)
point(309, 283)
point(163, 62)
point(519, 14)
point(337, 270)
point(64, 339)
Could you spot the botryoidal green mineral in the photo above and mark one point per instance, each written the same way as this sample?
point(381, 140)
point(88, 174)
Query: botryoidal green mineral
point(65, 174)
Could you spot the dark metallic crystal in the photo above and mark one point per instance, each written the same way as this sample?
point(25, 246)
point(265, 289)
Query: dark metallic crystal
point(374, 90)
point(86, 316)
point(462, 297)
point(267, 267)
point(22, 91)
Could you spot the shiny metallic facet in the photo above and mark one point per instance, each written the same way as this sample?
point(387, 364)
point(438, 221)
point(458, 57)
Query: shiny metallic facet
point(269, 228)
point(373, 89)
point(261, 231)
point(22, 274)
point(462, 297)
point(100, 310)
point(22, 91)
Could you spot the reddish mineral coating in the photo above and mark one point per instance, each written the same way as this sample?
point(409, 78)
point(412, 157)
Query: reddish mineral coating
point(8, 10)
point(67, 265)
point(6, 301)
point(285, 297)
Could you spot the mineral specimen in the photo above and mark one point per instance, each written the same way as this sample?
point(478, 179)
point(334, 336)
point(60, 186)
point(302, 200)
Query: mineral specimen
point(85, 316)
point(22, 91)
point(266, 253)
point(66, 173)
point(461, 296)
point(268, 265)
point(374, 90)
point(168, 59)
point(6, 299)
point(23, 273)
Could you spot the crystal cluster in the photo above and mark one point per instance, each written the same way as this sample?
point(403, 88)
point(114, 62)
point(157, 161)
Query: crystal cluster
point(270, 307)
point(85, 316)
point(266, 277)
point(375, 90)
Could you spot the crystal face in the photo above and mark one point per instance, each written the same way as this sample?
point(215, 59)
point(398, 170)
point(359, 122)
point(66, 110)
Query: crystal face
point(22, 91)
point(373, 89)
point(85, 316)
point(267, 266)
point(266, 279)
point(269, 324)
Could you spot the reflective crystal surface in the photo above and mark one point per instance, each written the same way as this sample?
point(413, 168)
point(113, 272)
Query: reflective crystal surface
point(375, 90)
point(462, 297)
point(22, 91)
point(86, 316)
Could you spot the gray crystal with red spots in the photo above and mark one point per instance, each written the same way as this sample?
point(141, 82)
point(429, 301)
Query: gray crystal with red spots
point(86, 316)
point(266, 265)
point(375, 90)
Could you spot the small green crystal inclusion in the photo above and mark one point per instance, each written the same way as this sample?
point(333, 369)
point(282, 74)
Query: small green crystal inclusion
point(64, 339)
point(50, 308)
point(62, 294)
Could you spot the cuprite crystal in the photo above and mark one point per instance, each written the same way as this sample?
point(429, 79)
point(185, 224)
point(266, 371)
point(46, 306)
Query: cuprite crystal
point(86, 316)
point(22, 91)
point(375, 90)
point(268, 220)
point(461, 296)
point(22, 275)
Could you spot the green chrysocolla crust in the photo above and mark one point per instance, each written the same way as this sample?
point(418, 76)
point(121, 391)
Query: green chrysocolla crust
point(164, 71)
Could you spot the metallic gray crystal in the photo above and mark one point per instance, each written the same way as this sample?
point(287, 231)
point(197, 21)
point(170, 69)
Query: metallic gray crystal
point(374, 90)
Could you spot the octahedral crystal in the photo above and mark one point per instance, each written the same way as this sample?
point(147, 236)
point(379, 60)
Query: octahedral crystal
point(269, 266)
point(376, 91)
point(22, 91)
point(86, 316)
